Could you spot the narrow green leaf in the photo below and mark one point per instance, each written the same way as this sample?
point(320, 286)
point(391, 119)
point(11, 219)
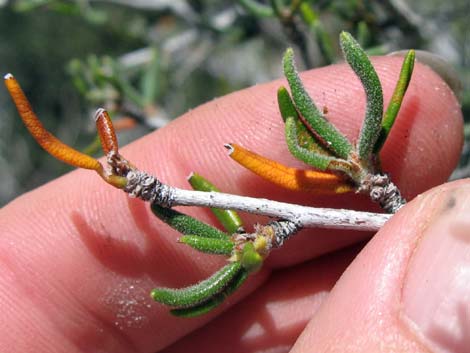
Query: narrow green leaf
point(200, 309)
point(316, 27)
point(363, 34)
point(208, 245)
point(309, 16)
point(360, 63)
point(236, 282)
point(229, 219)
point(151, 80)
point(200, 292)
point(76, 69)
point(295, 142)
point(215, 301)
point(301, 142)
point(256, 8)
point(130, 92)
point(250, 259)
point(397, 98)
point(286, 106)
point(324, 43)
point(279, 9)
point(186, 224)
point(329, 136)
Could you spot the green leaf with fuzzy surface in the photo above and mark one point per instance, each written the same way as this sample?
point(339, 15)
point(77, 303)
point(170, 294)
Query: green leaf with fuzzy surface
point(211, 304)
point(286, 106)
point(229, 219)
point(397, 98)
point(360, 63)
point(200, 292)
point(326, 133)
point(297, 140)
point(185, 224)
point(300, 141)
point(208, 245)
point(236, 282)
point(200, 309)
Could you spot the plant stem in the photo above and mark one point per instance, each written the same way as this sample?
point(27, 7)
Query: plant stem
point(149, 188)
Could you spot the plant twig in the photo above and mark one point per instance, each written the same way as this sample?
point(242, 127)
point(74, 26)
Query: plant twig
point(149, 188)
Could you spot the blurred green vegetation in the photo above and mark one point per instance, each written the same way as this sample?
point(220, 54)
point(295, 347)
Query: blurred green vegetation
point(148, 61)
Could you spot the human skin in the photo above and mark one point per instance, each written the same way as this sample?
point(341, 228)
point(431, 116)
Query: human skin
point(79, 258)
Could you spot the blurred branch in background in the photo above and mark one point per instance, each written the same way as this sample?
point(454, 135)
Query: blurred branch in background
point(148, 61)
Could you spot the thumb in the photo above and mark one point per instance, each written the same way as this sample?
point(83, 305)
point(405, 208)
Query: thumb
point(408, 290)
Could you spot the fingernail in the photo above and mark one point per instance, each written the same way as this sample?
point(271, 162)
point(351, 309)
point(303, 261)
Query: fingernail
point(436, 292)
point(440, 66)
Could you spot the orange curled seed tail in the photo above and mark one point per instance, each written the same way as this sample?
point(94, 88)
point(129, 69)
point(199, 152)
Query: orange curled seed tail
point(320, 183)
point(45, 139)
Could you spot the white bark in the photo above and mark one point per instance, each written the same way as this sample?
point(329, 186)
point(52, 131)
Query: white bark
point(149, 188)
point(302, 215)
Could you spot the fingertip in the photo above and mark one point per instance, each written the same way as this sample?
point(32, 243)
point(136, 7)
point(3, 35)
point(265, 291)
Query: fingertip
point(402, 292)
point(362, 311)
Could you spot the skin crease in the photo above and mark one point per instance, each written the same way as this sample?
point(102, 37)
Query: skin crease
point(78, 258)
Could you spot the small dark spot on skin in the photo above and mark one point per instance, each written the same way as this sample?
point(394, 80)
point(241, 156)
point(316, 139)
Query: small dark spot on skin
point(451, 202)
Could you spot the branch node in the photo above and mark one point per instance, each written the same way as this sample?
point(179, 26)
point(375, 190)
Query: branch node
point(148, 188)
point(383, 191)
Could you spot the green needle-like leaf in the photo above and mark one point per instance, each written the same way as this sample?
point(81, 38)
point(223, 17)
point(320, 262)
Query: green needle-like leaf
point(236, 282)
point(215, 301)
point(151, 79)
point(316, 27)
point(360, 63)
point(397, 98)
point(295, 142)
point(200, 309)
point(301, 142)
point(229, 219)
point(363, 34)
point(286, 106)
point(200, 292)
point(329, 136)
point(186, 224)
point(208, 245)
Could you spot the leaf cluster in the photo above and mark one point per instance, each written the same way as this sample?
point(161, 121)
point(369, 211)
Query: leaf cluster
point(312, 139)
point(244, 257)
